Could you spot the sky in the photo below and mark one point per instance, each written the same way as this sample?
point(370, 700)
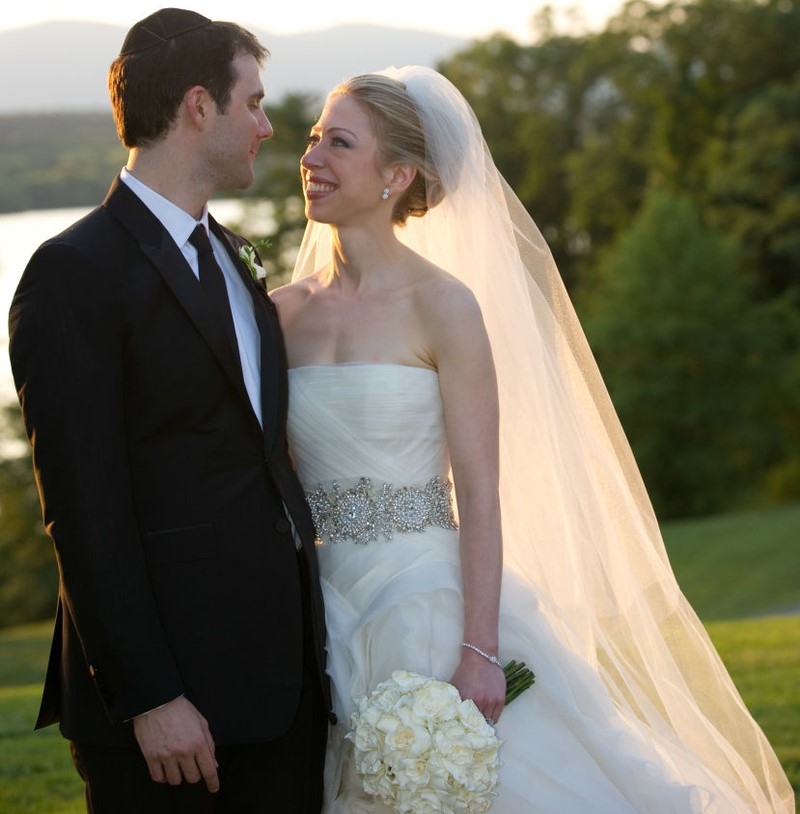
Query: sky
point(511, 17)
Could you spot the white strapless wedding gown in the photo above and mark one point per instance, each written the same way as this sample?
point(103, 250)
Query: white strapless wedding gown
point(396, 603)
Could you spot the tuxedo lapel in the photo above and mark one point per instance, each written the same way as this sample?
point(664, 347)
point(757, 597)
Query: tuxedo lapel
point(273, 386)
point(157, 245)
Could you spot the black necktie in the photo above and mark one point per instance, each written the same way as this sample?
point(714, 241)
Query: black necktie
point(212, 280)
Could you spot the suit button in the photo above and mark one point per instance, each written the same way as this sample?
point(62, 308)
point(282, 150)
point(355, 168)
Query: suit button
point(282, 525)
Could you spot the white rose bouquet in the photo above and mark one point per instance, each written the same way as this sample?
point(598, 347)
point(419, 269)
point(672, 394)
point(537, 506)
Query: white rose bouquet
point(421, 749)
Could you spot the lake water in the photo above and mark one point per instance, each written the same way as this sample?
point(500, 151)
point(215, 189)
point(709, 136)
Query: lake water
point(20, 234)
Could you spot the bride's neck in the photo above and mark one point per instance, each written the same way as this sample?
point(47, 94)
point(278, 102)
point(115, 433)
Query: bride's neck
point(363, 259)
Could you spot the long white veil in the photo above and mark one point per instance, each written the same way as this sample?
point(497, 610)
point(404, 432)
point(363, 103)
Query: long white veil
point(577, 521)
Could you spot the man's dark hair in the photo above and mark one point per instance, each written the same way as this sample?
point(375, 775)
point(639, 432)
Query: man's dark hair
point(147, 85)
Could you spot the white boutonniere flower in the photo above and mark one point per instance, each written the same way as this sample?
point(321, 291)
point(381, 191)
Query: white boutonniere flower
point(247, 254)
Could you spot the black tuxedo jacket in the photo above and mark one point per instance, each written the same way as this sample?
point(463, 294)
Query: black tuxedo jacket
point(165, 499)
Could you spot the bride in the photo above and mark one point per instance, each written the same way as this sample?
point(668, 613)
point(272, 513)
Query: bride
point(431, 342)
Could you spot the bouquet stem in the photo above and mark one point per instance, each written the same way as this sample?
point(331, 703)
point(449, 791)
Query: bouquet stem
point(518, 678)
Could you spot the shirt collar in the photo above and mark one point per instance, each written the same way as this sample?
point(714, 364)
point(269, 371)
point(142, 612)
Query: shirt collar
point(176, 221)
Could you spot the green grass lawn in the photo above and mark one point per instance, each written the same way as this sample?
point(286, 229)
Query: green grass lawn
point(741, 572)
point(738, 565)
point(36, 772)
point(763, 659)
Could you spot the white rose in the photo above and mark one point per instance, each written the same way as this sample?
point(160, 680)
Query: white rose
point(437, 702)
point(409, 739)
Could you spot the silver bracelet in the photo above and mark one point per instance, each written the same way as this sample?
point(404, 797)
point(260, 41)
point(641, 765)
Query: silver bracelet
point(487, 656)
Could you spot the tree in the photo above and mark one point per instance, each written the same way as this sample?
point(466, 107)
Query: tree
point(582, 125)
point(754, 184)
point(529, 102)
point(722, 91)
point(689, 359)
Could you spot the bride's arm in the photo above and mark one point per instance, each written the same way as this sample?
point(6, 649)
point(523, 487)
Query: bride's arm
point(469, 393)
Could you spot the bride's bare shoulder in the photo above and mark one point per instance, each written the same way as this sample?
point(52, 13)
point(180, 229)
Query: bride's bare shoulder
point(443, 296)
point(292, 296)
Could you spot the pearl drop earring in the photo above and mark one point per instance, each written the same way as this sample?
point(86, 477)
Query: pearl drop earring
point(385, 194)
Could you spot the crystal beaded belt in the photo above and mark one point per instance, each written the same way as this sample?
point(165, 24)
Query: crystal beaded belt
point(367, 511)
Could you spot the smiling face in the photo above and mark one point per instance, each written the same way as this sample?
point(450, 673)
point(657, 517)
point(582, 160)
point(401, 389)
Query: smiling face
point(235, 135)
point(341, 167)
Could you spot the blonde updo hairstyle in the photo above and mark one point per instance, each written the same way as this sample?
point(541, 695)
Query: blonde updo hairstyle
point(396, 123)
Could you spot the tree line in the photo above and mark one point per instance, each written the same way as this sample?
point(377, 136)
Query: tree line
point(661, 159)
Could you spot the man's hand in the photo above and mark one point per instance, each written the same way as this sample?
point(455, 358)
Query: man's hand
point(177, 744)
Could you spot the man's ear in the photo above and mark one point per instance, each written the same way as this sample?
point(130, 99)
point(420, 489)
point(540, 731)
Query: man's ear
point(197, 103)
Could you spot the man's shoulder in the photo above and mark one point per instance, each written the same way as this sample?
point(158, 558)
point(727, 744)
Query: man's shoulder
point(94, 228)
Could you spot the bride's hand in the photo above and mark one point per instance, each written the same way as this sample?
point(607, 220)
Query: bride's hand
point(483, 682)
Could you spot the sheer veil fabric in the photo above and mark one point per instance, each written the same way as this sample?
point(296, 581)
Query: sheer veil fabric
point(578, 526)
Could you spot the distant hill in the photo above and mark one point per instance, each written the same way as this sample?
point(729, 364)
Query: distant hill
point(61, 66)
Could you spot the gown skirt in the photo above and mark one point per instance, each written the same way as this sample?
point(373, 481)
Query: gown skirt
point(364, 434)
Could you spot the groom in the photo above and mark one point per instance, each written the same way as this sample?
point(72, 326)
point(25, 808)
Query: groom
point(187, 664)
